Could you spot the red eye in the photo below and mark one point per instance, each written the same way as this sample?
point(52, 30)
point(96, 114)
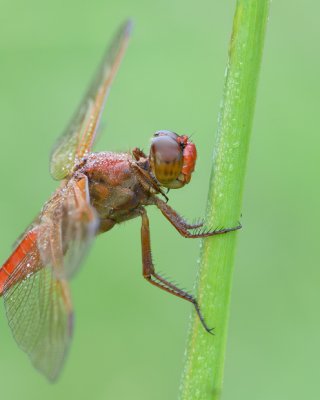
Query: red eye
point(172, 159)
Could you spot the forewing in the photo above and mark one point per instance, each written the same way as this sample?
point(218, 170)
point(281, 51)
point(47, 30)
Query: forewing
point(77, 140)
point(68, 225)
point(80, 228)
point(39, 313)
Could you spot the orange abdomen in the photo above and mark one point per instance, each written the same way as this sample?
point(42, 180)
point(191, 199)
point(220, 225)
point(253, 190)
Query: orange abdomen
point(25, 257)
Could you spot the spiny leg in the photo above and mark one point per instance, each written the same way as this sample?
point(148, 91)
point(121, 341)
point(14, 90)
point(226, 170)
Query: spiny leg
point(147, 181)
point(183, 227)
point(138, 153)
point(157, 280)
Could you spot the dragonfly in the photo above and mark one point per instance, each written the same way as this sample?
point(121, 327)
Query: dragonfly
point(97, 191)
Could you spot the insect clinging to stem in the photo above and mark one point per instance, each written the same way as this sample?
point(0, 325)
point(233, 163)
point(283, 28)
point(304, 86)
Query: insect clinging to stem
point(97, 191)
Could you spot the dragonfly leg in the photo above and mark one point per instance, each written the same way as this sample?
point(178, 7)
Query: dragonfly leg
point(183, 227)
point(138, 153)
point(155, 279)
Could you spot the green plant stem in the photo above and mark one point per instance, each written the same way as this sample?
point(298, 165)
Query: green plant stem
point(205, 354)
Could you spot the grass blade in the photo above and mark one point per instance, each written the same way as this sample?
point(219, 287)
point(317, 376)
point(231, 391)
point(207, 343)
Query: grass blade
point(205, 354)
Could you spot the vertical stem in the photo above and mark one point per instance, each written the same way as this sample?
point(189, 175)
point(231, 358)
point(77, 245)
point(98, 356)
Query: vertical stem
point(203, 372)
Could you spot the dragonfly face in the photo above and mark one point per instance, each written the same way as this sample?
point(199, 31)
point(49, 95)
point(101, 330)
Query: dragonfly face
point(97, 191)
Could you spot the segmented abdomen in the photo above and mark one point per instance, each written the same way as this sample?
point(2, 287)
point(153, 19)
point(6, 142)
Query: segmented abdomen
point(25, 259)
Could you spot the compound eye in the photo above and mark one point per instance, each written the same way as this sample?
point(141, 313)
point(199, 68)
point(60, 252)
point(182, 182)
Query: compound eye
point(173, 135)
point(166, 157)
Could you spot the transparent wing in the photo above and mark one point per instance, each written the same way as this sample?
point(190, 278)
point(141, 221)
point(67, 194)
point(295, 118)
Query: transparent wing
point(39, 312)
point(68, 225)
point(77, 140)
point(36, 293)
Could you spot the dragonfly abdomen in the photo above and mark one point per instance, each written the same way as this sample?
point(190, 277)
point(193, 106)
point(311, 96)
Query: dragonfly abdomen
point(24, 253)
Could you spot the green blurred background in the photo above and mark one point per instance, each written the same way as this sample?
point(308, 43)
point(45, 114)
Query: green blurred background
point(129, 338)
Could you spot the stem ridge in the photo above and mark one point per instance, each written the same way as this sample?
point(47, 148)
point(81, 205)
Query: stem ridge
point(205, 354)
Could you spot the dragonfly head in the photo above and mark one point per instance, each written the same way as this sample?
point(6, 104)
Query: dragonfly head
point(172, 159)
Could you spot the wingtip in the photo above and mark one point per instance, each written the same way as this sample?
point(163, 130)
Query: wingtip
point(128, 26)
